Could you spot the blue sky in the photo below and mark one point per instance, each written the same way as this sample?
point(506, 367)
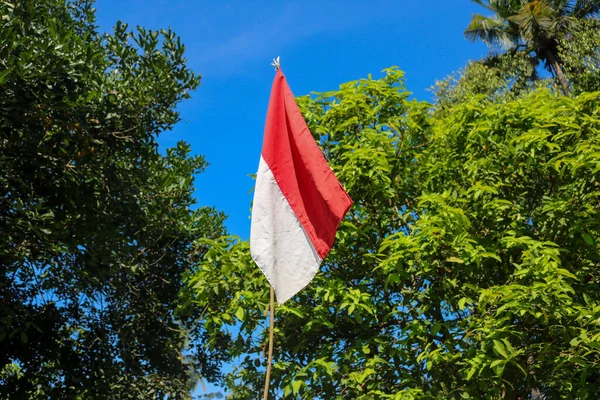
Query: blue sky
point(321, 43)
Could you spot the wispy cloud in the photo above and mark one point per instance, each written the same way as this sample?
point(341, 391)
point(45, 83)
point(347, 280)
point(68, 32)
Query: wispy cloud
point(281, 25)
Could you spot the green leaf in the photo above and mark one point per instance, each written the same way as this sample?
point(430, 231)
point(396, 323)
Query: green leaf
point(239, 313)
point(498, 367)
point(4, 74)
point(471, 372)
point(566, 273)
point(296, 385)
point(588, 238)
point(436, 328)
point(499, 347)
point(509, 347)
point(497, 362)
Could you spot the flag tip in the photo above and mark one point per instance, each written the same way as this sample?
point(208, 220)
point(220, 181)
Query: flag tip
point(276, 63)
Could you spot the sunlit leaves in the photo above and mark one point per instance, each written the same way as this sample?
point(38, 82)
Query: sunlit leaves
point(97, 225)
point(467, 267)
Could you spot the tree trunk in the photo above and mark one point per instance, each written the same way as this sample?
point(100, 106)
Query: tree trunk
point(564, 84)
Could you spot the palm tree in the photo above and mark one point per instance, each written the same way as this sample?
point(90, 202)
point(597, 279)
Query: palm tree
point(534, 26)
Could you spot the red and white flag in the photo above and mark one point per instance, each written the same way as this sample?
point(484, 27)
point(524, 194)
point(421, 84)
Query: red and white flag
point(298, 201)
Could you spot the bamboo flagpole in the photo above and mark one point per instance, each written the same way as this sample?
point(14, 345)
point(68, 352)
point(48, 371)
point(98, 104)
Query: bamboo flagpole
point(270, 357)
point(277, 65)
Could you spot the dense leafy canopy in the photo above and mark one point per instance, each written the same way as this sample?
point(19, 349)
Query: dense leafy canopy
point(96, 224)
point(467, 268)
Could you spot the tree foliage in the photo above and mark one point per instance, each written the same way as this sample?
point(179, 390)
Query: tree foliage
point(498, 77)
point(532, 26)
point(467, 267)
point(96, 224)
point(512, 74)
point(580, 51)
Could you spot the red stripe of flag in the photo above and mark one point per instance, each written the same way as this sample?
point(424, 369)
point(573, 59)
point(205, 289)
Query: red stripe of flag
point(301, 171)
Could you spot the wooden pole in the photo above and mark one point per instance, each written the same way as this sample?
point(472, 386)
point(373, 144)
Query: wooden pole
point(270, 357)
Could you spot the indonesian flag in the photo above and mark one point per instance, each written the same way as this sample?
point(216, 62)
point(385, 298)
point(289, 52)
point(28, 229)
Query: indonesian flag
point(298, 202)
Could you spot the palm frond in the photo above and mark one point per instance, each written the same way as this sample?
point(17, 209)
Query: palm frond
point(502, 8)
point(535, 19)
point(562, 23)
point(506, 8)
point(561, 7)
point(485, 4)
point(586, 8)
point(491, 31)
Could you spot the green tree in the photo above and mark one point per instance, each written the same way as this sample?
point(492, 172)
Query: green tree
point(467, 267)
point(580, 51)
point(533, 26)
point(496, 78)
point(96, 224)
